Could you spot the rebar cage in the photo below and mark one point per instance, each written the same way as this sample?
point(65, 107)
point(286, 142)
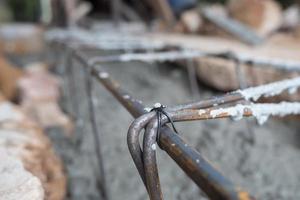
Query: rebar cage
point(235, 105)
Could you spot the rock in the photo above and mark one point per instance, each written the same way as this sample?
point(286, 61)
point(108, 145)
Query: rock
point(39, 96)
point(8, 78)
point(22, 138)
point(264, 17)
point(213, 72)
point(220, 73)
point(16, 182)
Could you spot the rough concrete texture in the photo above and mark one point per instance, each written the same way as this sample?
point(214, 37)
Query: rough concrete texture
point(262, 159)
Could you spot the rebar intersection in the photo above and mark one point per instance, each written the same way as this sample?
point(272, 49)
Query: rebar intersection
point(145, 160)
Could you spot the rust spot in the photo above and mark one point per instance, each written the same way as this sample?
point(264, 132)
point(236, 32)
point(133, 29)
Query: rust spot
point(244, 196)
point(190, 165)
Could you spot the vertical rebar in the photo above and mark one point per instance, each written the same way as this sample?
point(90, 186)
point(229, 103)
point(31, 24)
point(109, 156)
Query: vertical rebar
point(70, 74)
point(248, 135)
point(101, 181)
point(116, 11)
point(191, 68)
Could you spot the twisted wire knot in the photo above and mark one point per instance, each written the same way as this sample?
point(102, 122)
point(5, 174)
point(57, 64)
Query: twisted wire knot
point(160, 111)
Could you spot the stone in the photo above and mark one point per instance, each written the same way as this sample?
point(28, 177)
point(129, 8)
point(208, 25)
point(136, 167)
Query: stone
point(22, 138)
point(16, 182)
point(264, 16)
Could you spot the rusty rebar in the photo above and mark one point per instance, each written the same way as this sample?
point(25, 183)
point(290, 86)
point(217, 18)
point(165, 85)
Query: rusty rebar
point(130, 104)
point(140, 123)
point(101, 182)
point(116, 11)
point(150, 164)
point(134, 145)
point(192, 74)
point(71, 82)
point(215, 185)
point(187, 116)
point(200, 171)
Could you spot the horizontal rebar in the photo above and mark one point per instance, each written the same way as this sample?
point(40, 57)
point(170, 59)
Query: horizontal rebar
point(262, 111)
point(149, 57)
point(103, 41)
point(122, 41)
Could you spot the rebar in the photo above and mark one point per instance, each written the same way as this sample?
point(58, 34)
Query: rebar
point(92, 115)
point(135, 42)
point(234, 105)
point(211, 181)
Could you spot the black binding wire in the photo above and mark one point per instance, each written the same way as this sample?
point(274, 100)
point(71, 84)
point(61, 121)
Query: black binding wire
point(159, 109)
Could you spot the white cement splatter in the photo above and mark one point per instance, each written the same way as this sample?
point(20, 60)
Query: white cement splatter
point(147, 109)
point(103, 75)
point(126, 96)
point(153, 147)
point(271, 89)
point(161, 56)
point(112, 40)
point(293, 90)
point(236, 112)
point(157, 105)
point(201, 112)
point(261, 112)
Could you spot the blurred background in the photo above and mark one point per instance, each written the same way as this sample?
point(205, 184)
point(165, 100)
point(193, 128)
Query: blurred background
point(48, 111)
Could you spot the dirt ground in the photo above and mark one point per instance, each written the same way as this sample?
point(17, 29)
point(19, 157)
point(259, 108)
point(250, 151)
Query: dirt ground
point(262, 159)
